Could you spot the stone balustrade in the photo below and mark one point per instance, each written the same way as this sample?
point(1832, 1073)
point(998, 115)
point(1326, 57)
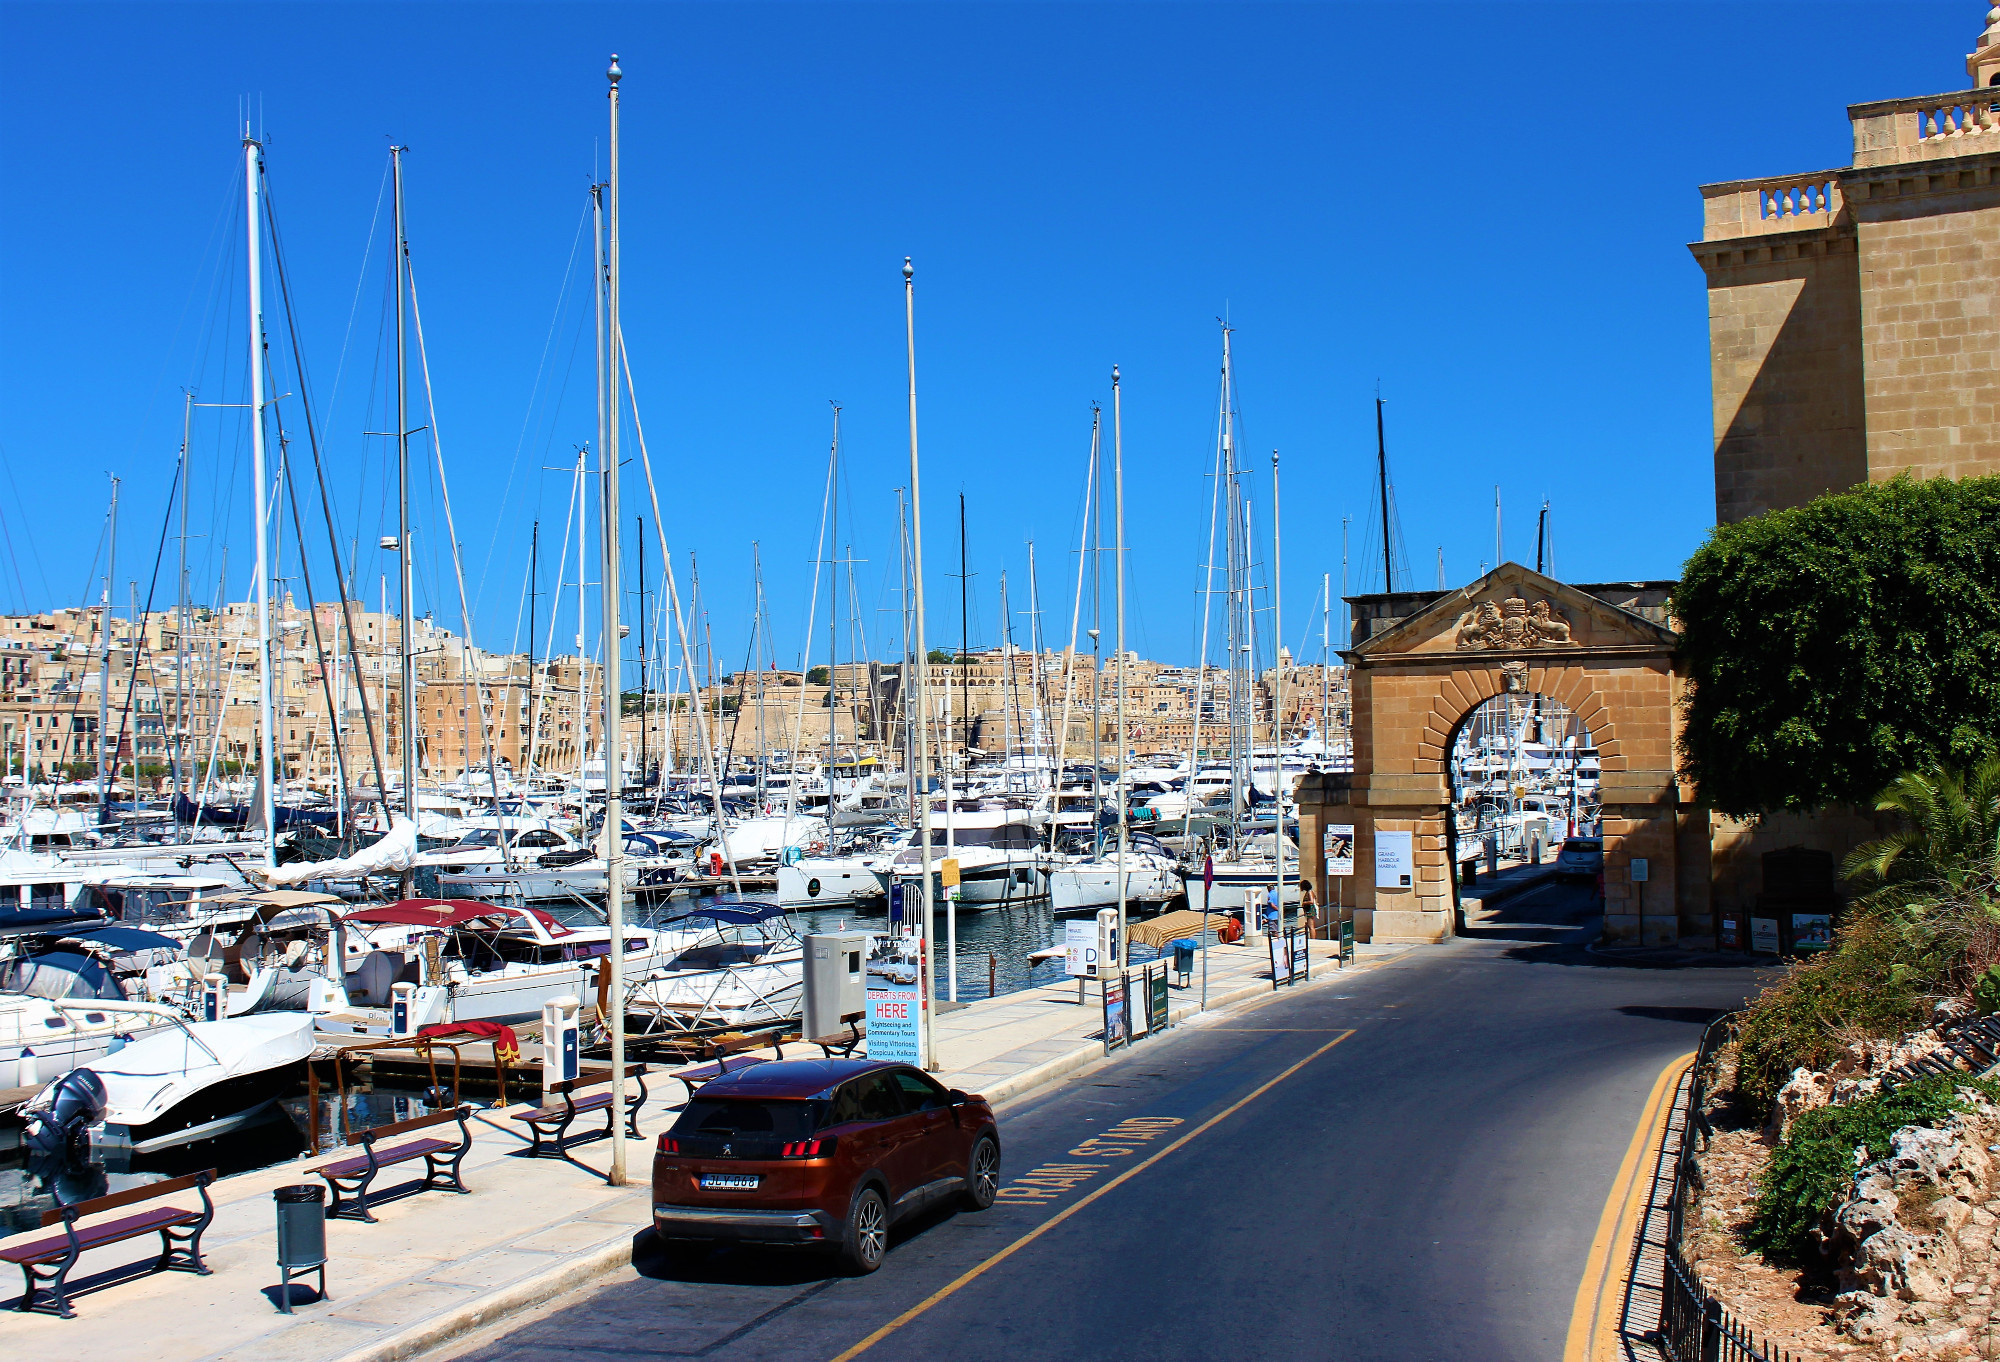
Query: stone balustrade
point(1786, 203)
point(1925, 128)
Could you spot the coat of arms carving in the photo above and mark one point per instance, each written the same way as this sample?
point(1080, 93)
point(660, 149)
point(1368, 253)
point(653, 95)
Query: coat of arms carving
point(1513, 623)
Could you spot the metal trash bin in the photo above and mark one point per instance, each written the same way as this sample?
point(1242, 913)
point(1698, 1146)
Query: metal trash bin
point(1184, 950)
point(301, 1237)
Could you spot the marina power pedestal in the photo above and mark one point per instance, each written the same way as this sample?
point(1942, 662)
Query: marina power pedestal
point(402, 1009)
point(562, 1041)
point(215, 997)
point(1107, 942)
point(836, 981)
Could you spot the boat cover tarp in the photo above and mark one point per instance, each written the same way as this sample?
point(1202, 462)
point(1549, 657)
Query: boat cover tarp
point(741, 911)
point(211, 815)
point(451, 913)
point(59, 974)
point(394, 853)
point(1157, 932)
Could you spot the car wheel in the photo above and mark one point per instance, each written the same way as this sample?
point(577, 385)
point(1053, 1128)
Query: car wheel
point(982, 1174)
point(867, 1239)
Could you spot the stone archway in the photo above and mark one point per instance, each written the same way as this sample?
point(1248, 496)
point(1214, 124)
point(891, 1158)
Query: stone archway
point(1421, 662)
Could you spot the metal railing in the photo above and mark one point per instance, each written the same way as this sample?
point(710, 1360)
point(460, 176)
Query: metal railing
point(1693, 1325)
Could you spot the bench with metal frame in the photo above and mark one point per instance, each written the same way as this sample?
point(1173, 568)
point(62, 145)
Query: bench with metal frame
point(46, 1262)
point(844, 1044)
point(350, 1178)
point(551, 1121)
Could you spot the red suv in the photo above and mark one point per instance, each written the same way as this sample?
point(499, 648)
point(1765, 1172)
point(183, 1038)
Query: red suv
point(821, 1153)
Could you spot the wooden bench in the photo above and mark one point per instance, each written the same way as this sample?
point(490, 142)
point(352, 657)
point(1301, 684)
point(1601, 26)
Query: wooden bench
point(46, 1262)
point(351, 1177)
point(553, 1119)
point(844, 1042)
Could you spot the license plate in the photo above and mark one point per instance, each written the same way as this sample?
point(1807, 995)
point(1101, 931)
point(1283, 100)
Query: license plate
point(730, 1182)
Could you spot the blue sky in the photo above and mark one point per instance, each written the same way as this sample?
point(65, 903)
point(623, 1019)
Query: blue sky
point(1482, 208)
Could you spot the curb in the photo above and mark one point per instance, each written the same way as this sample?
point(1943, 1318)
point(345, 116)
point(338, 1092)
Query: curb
point(422, 1338)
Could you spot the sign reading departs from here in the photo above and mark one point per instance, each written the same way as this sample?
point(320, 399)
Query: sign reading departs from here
point(895, 1011)
point(1395, 861)
point(1337, 842)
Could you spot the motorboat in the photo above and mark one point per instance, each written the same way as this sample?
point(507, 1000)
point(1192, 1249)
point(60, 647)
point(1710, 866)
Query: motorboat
point(38, 1039)
point(743, 968)
point(468, 960)
point(999, 854)
point(184, 1082)
point(1088, 876)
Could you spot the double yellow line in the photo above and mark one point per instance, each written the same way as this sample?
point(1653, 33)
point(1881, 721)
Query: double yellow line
point(952, 1287)
point(1593, 1320)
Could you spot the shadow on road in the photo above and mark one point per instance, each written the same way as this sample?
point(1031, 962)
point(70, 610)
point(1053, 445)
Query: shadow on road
point(758, 1265)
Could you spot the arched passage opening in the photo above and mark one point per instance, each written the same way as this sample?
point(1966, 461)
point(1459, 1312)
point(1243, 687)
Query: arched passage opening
point(1524, 772)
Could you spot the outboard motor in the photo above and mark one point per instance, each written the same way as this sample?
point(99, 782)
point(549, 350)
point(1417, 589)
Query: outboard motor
point(60, 1116)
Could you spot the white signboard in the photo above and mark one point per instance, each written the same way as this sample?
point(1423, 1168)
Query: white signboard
point(1337, 842)
point(1395, 860)
point(1080, 948)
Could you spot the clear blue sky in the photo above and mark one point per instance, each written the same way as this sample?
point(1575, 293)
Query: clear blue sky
point(1484, 207)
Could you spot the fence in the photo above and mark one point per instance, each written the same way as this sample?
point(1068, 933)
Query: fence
point(1693, 1325)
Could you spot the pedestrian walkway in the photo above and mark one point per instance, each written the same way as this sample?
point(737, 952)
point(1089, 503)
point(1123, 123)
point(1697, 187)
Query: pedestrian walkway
point(438, 1264)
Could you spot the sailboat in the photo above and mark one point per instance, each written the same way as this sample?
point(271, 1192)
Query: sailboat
point(1089, 871)
point(1247, 861)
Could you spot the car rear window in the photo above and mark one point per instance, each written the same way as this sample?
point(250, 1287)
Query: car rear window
point(759, 1121)
point(1583, 844)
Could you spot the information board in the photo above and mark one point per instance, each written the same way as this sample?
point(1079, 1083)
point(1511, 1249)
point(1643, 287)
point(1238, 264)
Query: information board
point(1337, 843)
point(895, 1012)
point(1395, 860)
point(1156, 998)
point(1764, 935)
point(1347, 941)
point(1080, 948)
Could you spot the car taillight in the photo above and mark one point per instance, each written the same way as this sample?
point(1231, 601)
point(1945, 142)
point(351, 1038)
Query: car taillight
point(809, 1149)
point(669, 1145)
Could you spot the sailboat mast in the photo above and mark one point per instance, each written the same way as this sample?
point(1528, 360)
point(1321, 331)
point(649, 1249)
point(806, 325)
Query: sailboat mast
point(104, 675)
point(254, 262)
point(1278, 693)
point(614, 771)
point(405, 577)
point(832, 616)
point(923, 911)
point(535, 703)
point(641, 631)
point(180, 728)
point(1382, 482)
point(1124, 766)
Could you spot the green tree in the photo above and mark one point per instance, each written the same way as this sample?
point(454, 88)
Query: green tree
point(942, 655)
point(1835, 645)
point(817, 676)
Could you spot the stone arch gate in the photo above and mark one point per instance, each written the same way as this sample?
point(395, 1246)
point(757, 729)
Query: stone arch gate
point(1421, 662)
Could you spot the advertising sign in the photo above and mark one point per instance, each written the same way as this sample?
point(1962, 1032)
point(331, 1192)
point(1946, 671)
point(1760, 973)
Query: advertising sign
point(1395, 860)
point(1156, 999)
point(1764, 935)
point(1301, 958)
point(1080, 949)
point(1811, 931)
point(1115, 1032)
point(1138, 1011)
point(1729, 937)
point(1337, 842)
point(1347, 941)
point(895, 1014)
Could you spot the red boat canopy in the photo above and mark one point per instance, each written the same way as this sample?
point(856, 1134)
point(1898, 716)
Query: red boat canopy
point(452, 913)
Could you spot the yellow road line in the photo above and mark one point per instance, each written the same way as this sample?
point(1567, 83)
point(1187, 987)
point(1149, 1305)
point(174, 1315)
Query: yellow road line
point(952, 1287)
point(1593, 1326)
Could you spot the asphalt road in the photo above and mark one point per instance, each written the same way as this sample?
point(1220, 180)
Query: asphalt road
point(1425, 1187)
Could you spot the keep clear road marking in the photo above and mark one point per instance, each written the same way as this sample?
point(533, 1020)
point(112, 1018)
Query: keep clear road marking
point(1589, 1324)
point(952, 1287)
